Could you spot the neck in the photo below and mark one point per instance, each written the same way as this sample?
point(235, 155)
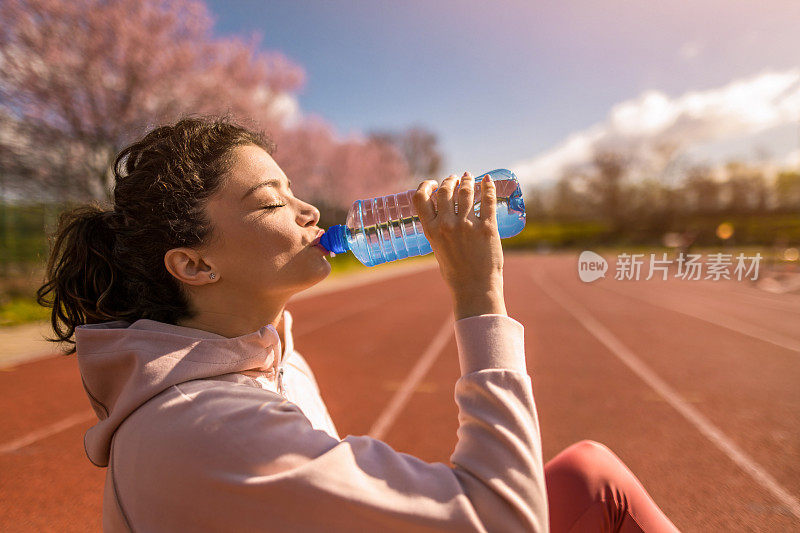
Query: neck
point(232, 325)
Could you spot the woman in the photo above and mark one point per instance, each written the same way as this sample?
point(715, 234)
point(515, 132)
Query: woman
point(209, 420)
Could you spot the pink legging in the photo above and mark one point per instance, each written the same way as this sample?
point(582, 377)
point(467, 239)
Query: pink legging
point(589, 488)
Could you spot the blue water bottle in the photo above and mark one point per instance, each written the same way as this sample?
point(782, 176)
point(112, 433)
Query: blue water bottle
point(379, 230)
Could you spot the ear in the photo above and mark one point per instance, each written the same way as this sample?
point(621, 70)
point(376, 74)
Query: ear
point(188, 266)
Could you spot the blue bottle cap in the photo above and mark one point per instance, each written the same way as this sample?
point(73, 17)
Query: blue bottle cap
point(333, 239)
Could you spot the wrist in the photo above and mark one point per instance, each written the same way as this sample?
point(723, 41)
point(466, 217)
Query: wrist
point(466, 304)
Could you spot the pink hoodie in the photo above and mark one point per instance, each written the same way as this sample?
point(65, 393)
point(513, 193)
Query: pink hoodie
point(206, 433)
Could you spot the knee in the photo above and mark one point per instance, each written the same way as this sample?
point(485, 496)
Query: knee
point(586, 462)
point(587, 452)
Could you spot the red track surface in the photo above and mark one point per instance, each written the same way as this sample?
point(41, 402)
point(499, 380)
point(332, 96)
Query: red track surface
point(745, 387)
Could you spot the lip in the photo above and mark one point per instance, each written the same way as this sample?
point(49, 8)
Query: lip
point(317, 238)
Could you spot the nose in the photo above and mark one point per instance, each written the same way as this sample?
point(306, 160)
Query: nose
point(308, 214)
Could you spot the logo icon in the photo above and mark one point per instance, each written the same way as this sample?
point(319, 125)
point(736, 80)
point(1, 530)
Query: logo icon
point(591, 266)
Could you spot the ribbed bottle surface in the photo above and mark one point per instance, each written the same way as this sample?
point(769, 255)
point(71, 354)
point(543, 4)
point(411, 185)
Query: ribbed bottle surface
point(379, 230)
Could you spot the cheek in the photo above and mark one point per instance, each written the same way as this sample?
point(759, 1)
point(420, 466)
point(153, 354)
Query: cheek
point(244, 244)
point(272, 244)
point(262, 244)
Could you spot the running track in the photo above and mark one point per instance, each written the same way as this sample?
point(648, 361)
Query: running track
point(694, 384)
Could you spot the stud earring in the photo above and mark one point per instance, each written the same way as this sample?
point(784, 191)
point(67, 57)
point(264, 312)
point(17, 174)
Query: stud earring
point(212, 275)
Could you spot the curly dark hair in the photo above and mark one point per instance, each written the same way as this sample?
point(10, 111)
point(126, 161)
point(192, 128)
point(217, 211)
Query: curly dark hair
point(107, 265)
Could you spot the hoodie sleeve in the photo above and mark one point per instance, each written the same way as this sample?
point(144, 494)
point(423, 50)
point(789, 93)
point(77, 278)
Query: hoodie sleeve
point(263, 467)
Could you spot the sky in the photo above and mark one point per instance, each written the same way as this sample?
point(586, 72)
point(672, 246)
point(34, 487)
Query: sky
point(530, 85)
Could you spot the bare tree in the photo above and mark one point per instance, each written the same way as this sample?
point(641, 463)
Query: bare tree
point(419, 148)
point(787, 190)
point(569, 195)
point(702, 190)
point(747, 188)
point(606, 186)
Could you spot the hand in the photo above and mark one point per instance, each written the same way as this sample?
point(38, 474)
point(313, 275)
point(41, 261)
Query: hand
point(467, 247)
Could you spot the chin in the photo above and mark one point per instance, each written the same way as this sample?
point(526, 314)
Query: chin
point(325, 271)
point(319, 274)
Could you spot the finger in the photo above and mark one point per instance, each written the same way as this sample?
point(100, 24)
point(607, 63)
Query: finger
point(422, 201)
point(488, 200)
point(466, 196)
point(445, 200)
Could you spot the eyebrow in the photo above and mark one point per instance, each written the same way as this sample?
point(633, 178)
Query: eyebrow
point(269, 183)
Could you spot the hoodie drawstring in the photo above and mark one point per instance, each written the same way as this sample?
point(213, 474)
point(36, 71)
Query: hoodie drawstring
point(280, 381)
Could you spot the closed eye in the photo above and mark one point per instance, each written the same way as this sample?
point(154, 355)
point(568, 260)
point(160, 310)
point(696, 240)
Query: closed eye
point(272, 206)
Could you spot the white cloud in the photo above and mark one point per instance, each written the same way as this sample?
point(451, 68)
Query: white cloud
point(644, 126)
point(792, 159)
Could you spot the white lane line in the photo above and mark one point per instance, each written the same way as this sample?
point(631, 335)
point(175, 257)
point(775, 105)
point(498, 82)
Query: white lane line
point(375, 274)
point(692, 415)
point(344, 312)
point(709, 294)
point(784, 304)
point(724, 321)
point(752, 291)
point(403, 394)
point(47, 431)
point(787, 307)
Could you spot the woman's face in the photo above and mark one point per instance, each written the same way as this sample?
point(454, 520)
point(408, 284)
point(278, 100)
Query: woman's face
point(262, 251)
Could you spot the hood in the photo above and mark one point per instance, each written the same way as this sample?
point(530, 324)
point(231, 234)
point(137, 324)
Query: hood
point(124, 365)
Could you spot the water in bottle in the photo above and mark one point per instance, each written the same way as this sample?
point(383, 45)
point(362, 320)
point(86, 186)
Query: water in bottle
point(387, 228)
